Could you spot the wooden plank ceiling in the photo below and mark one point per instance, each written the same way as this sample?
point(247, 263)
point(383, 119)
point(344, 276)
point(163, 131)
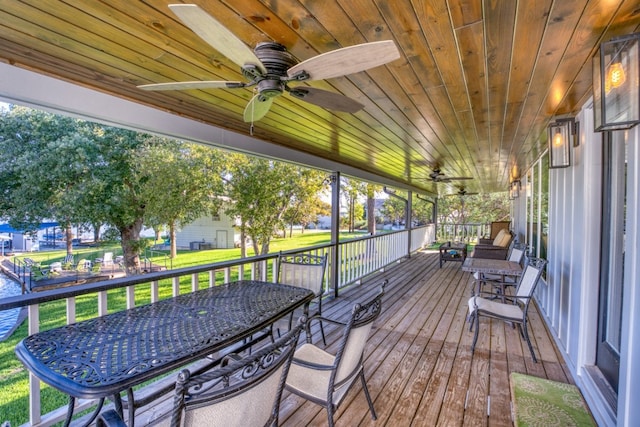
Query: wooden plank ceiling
point(475, 87)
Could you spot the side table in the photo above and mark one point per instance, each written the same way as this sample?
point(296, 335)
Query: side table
point(456, 252)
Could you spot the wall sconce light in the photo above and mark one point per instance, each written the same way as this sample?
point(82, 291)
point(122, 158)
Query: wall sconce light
point(514, 190)
point(561, 135)
point(616, 81)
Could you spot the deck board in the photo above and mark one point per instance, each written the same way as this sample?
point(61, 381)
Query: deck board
point(418, 360)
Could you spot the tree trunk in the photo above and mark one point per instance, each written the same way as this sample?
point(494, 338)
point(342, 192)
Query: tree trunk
point(172, 240)
point(96, 232)
point(69, 239)
point(130, 236)
point(352, 214)
point(243, 245)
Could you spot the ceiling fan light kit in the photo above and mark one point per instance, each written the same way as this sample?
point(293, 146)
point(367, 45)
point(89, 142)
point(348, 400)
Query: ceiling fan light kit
point(270, 67)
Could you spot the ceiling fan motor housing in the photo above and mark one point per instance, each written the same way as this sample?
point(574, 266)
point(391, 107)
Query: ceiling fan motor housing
point(277, 61)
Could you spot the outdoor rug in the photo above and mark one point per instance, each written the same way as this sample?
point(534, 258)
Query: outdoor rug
point(541, 402)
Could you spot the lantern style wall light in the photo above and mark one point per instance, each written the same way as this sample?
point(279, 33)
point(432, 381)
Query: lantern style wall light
point(514, 190)
point(616, 84)
point(561, 135)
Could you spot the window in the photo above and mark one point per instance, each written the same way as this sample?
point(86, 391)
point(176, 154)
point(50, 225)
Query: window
point(537, 194)
point(614, 212)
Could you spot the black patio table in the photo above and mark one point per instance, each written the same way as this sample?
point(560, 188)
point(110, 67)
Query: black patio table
point(104, 356)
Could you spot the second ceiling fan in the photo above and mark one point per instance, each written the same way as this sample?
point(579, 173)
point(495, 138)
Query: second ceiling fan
point(436, 175)
point(270, 67)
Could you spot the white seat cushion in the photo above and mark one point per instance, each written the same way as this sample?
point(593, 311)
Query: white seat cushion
point(313, 382)
point(496, 307)
point(502, 239)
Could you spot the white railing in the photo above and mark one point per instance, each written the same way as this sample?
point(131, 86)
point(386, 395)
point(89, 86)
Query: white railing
point(458, 232)
point(357, 259)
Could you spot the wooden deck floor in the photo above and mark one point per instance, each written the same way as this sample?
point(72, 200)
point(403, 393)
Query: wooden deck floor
point(419, 366)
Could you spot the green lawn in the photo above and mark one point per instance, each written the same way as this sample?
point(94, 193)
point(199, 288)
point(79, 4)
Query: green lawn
point(14, 390)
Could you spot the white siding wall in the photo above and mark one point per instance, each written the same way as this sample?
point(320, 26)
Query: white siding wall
point(205, 228)
point(569, 298)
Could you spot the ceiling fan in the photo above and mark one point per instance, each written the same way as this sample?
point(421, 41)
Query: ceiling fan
point(437, 176)
point(270, 67)
point(462, 192)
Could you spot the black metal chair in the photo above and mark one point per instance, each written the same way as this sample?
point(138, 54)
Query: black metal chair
point(243, 392)
point(514, 309)
point(304, 271)
point(324, 378)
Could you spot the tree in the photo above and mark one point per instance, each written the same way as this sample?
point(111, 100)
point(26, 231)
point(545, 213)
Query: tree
point(394, 209)
point(75, 172)
point(352, 190)
point(305, 204)
point(42, 160)
point(184, 182)
point(371, 207)
point(259, 191)
point(422, 211)
point(481, 208)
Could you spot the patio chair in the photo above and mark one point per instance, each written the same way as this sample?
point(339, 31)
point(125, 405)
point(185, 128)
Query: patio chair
point(304, 271)
point(324, 378)
point(37, 270)
point(241, 392)
point(500, 281)
point(496, 226)
point(514, 309)
point(67, 262)
point(106, 260)
point(83, 265)
point(498, 247)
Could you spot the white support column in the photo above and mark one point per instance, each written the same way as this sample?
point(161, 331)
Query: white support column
point(176, 286)
point(102, 303)
point(131, 296)
point(71, 310)
point(34, 383)
point(154, 291)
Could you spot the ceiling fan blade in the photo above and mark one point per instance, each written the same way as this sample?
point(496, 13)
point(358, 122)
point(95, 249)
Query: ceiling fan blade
point(192, 85)
point(345, 61)
point(216, 34)
point(326, 99)
point(257, 108)
point(456, 178)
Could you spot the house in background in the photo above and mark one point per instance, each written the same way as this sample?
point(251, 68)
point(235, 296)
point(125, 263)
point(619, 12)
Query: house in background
point(209, 232)
point(45, 237)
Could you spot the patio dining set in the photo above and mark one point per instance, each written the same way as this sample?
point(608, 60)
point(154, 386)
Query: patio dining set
point(497, 263)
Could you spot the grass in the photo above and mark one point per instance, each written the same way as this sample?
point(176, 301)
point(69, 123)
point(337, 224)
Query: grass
point(14, 390)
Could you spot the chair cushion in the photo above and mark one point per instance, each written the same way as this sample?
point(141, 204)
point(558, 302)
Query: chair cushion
point(232, 411)
point(496, 308)
point(502, 239)
point(312, 382)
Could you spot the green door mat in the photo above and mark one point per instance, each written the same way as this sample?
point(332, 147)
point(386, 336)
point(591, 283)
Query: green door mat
point(540, 402)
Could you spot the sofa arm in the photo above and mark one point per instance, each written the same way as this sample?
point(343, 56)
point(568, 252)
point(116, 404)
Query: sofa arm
point(489, 252)
point(482, 241)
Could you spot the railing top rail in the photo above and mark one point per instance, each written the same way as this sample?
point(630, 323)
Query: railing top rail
point(73, 291)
